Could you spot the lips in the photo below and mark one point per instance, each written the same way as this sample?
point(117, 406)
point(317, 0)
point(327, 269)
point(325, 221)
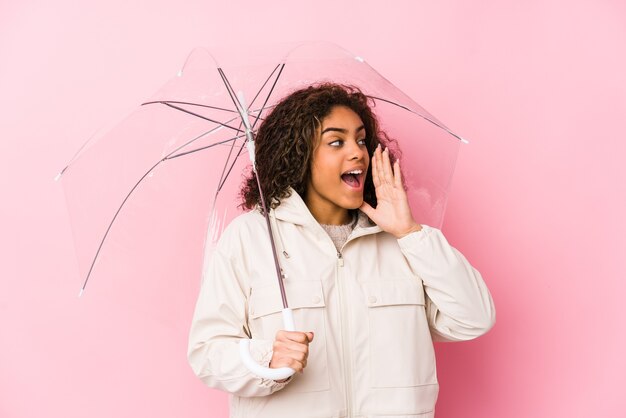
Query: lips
point(354, 178)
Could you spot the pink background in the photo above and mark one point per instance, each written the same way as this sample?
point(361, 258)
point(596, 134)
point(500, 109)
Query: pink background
point(538, 87)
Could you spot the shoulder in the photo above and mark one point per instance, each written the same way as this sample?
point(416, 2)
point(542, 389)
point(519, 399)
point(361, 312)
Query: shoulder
point(242, 229)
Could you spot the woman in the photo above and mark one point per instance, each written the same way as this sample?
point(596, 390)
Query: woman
point(370, 288)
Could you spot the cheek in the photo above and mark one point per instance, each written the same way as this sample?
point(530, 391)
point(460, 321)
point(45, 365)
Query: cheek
point(319, 176)
point(326, 178)
point(324, 171)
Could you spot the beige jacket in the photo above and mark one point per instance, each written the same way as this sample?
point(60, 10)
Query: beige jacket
point(375, 308)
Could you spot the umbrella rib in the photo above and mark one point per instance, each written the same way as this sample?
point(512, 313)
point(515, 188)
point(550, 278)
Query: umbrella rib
point(222, 176)
point(264, 84)
point(93, 263)
point(261, 109)
point(282, 66)
point(439, 125)
point(188, 103)
point(210, 131)
point(234, 140)
point(104, 237)
point(231, 167)
point(201, 117)
point(230, 152)
point(262, 119)
point(231, 92)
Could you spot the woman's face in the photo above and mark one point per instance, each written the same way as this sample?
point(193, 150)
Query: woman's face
point(338, 167)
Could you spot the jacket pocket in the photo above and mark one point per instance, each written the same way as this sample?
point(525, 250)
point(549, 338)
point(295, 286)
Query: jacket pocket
point(306, 299)
point(401, 348)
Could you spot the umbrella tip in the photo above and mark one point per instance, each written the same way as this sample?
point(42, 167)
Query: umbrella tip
point(179, 73)
point(58, 176)
point(81, 292)
point(465, 141)
point(359, 59)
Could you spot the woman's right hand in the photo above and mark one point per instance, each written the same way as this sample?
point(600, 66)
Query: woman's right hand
point(291, 349)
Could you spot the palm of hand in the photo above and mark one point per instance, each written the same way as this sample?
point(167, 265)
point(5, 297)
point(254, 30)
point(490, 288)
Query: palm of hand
point(392, 212)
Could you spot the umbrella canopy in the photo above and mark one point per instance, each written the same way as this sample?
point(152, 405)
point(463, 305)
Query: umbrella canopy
point(191, 135)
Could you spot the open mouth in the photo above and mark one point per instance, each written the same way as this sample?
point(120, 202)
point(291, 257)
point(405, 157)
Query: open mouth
point(353, 178)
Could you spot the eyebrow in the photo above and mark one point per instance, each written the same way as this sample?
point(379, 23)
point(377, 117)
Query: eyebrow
point(341, 130)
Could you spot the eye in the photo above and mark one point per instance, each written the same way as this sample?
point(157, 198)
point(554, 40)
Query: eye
point(337, 142)
point(363, 141)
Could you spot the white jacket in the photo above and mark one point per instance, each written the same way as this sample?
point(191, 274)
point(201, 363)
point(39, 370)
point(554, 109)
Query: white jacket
point(375, 308)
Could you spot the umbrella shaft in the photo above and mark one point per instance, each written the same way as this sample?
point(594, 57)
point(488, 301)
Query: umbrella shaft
point(279, 274)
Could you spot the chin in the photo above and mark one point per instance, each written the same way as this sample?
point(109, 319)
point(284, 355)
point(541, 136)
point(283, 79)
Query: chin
point(352, 203)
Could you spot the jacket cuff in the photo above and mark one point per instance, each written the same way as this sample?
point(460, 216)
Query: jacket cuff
point(416, 239)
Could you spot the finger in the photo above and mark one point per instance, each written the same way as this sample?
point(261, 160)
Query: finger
point(294, 354)
point(290, 346)
point(397, 174)
point(294, 359)
point(285, 356)
point(375, 177)
point(379, 166)
point(297, 336)
point(296, 365)
point(285, 361)
point(388, 176)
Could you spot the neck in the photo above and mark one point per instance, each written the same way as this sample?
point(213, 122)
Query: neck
point(328, 213)
point(342, 219)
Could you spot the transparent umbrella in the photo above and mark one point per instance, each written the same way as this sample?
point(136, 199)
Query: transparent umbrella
point(196, 133)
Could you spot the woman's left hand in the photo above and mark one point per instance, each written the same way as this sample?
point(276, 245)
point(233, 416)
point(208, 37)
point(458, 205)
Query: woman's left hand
point(392, 212)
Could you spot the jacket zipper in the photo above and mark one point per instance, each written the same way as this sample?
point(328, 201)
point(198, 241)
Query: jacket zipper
point(345, 335)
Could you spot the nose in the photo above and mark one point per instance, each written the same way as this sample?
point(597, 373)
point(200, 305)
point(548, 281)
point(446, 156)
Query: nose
point(355, 151)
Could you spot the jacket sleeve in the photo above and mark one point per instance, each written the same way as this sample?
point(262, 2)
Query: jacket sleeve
point(219, 322)
point(459, 306)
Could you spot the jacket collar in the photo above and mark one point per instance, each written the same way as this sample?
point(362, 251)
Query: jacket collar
point(293, 209)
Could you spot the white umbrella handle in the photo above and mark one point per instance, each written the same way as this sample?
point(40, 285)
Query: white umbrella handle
point(267, 372)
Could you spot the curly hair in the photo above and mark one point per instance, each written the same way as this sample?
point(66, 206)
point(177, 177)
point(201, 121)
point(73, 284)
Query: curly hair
point(286, 139)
